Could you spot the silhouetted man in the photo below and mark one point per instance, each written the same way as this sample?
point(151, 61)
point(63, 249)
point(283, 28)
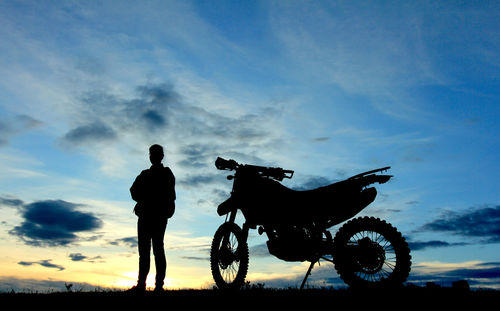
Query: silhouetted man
point(154, 192)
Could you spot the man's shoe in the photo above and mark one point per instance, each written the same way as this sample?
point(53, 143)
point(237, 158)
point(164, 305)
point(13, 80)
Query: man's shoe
point(138, 289)
point(159, 289)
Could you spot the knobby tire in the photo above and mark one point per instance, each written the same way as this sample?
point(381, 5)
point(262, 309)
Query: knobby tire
point(229, 274)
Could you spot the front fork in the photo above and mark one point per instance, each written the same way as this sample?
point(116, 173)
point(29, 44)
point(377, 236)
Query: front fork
point(231, 217)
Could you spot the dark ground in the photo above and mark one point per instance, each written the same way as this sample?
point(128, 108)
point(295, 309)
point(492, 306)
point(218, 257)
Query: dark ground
point(269, 299)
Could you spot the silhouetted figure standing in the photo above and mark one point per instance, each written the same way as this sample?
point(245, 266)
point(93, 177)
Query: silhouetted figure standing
point(154, 192)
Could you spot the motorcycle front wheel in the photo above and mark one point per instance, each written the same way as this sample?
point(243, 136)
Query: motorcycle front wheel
point(229, 257)
point(370, 252)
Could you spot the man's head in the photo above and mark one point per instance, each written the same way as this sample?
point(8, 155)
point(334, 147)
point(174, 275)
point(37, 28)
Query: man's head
point(155, 154)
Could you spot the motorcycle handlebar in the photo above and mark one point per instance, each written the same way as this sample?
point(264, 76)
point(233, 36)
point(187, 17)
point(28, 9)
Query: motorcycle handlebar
point(279, 174)
point(223, 164)
point(275, 172)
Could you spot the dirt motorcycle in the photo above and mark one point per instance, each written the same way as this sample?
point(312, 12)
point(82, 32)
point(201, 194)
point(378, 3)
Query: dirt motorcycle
point(366, 251)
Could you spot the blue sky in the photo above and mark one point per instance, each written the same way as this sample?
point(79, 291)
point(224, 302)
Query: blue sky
point(326, 88)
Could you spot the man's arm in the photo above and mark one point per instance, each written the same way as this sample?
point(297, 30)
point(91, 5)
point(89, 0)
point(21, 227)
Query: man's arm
point(136, 191)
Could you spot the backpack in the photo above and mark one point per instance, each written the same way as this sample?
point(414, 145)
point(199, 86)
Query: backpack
point(154, 192)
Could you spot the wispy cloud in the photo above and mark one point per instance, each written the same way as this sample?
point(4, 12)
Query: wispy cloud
point(80, 257)
point(388, 52)
point(477, 273)
point(44, 263)
point(127, 241)
point(95, 131)
point(421, 245)
point(158, 114)
point(11, 202)
point(18, 124)
point(336, 52)
point(478, 222)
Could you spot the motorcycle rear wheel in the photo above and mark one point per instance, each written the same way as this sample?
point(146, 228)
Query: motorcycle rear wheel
point(370, 252)
point(229, 257)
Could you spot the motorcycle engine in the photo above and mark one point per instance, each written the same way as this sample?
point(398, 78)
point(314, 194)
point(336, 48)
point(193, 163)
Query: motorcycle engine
point(292, 243)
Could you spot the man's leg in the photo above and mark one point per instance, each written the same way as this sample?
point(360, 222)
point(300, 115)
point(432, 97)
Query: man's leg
point(144, 245)
point(159, 253)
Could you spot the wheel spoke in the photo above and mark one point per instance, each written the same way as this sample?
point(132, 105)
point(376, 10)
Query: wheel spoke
point(229, 256)
point(371, 252)
point(230, 272)
point(388, 256)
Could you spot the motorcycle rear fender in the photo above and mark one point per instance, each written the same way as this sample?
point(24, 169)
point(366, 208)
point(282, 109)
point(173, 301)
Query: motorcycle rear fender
point(225, 207)
point(352, 208)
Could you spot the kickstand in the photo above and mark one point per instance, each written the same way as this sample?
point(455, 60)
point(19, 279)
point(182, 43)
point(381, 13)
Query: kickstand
point(308, 273)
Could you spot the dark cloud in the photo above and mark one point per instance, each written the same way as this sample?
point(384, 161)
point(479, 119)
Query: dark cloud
point(111, 116)
point(53, 223)
point(25, 122)
point(321, 139)
point(81, 257)
point(154, 119)
point(197, 155)
point(481, 223)
point(159, 109)
point(94, 132)
point(11, 202)
point(151, 110)
point(44, 263)
point(198, 180)
point(220, 195)
point(77, 257)
point(421, 245)
point(128, 242)
point(158, 93)
point(479, 275)
point(483, 271)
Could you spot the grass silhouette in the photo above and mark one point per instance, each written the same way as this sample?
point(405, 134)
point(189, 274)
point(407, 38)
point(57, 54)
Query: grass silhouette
point(257, 296)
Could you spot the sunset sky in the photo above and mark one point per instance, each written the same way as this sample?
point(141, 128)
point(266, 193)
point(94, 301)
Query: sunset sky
point(328, 89)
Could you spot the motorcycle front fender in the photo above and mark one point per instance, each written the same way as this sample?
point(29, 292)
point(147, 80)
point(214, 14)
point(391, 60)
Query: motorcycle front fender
point(225, 207)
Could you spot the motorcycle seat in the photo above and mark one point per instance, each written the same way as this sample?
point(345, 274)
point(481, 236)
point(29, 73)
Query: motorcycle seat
point(334, 203)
